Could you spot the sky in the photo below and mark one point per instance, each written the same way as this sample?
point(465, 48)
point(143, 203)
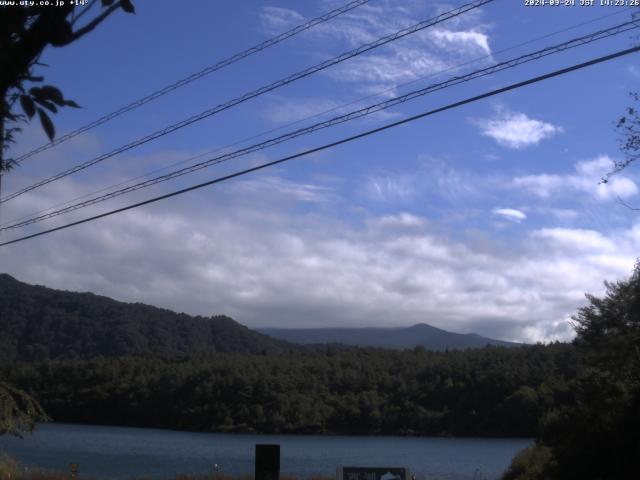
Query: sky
point(487, 218)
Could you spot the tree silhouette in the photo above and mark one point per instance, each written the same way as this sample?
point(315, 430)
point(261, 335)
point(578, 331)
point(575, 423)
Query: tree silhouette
point(595, 431)
point(597, 436)
point(628, 127)
point(25, 31)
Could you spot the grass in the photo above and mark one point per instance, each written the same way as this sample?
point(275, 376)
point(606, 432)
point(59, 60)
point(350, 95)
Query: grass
point(9, 468)
point(12, 470)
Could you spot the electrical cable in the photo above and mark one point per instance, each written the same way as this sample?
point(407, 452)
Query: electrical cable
point(296, 76)
point(195, 76)
point(450, 106)
point(320, 114)
point(586, 39)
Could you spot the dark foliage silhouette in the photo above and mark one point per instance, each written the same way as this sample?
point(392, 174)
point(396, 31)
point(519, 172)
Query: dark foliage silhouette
point(25, 32)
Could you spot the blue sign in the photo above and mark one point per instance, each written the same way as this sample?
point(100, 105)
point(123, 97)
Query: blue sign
point(372, 473)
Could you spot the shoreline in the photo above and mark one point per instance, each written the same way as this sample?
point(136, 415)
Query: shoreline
point(290, 434)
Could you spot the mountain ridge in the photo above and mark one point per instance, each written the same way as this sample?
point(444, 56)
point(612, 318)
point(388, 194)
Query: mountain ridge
point(421, 334)
point(39, 323)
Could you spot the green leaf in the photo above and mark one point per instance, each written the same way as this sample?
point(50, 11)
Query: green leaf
point(36, 93)
point(27, 105)
point(52, 93)
point(48, 105)
point(9, 164)
point(127, 6)
point(60, 33)
point(47, 124)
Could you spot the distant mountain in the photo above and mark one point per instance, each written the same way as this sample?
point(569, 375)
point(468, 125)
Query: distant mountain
point(38, 323)
point(429, 337)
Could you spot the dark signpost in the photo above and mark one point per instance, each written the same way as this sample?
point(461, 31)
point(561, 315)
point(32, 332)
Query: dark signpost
point(267, 462)
point(372, 473)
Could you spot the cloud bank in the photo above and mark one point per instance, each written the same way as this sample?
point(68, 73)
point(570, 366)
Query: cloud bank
point(277, 258)
point(585, 180)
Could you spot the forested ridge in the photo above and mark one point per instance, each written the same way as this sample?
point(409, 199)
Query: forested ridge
point(494, 391)
point(38, 323)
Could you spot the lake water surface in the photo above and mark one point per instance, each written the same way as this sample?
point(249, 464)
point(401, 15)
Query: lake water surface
point(123, 453)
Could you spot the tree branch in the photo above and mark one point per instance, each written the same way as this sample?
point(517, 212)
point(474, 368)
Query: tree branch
point(83, 12)
point(623, 203)
point(94, 23)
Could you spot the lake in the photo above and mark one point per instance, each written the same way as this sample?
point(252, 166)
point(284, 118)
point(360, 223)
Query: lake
point(123, 453)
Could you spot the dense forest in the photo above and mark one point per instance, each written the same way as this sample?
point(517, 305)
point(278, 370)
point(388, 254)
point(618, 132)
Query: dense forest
point(493, 391)
point(38, 323)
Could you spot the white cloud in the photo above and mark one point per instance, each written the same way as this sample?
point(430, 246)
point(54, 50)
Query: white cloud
point(469, 40)
point(401, 220)
point(542, 185)
point(510, 214)
point(516, 130)
point(634, 70)
point(577, 239)
point(585, 179)
point(282, 111)
point(277, 19)
point(563, 213)
point(297, 192)
point(278, 257)
point(594, 168)
point(389, 187)
point(414, 56)
point(617, 187)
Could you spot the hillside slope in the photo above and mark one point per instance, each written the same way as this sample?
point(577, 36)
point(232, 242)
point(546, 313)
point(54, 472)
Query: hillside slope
point(38, 323)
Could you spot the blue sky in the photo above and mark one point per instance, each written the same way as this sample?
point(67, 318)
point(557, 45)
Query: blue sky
point(487, 218)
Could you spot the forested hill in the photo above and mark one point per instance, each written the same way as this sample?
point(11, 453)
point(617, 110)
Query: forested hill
point(39, 323)
point(424, 335)
point(492, 391)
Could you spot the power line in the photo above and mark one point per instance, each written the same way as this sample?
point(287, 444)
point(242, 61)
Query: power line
point(338, 142)
point(320, 114)
point(195, 76)
point(343, 118)
point(585, 39)
point(296, 76)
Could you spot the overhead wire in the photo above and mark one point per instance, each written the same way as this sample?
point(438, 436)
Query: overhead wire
point(267, 88)
point(367, 133)
point(320, 114)
point(536, 55)
point(195, 76)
